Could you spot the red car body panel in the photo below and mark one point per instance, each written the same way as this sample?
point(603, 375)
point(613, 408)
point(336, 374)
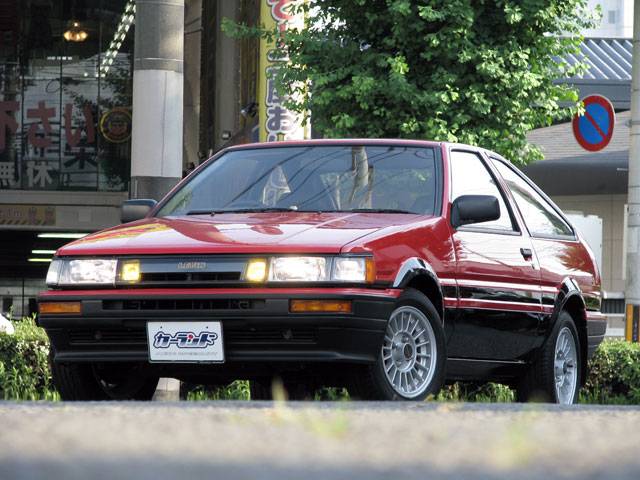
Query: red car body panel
point(239, 233)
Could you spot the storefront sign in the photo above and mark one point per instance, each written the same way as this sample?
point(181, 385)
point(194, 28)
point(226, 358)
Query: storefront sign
point(36, 215)
point(276, 121)
point(115, 125)
point(40, 118)
point(594, 129)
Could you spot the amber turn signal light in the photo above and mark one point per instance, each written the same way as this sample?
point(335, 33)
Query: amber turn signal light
point(370, 270)
point(320, 306)
point(52, 308)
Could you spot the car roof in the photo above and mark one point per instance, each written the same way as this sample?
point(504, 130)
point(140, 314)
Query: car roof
point(338, 141)
point(360, 141)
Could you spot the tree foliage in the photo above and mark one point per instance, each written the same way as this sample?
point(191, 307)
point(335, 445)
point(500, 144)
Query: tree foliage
point(472, 71)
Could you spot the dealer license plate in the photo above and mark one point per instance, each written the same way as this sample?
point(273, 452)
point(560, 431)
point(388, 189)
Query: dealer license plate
point(187, 342)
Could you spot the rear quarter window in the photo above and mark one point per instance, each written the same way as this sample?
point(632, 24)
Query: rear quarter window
point(541, 218)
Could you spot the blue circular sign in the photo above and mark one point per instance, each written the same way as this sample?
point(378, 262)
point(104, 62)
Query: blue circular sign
point(593, 130)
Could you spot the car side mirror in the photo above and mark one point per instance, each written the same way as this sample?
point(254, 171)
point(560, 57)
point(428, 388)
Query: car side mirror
point(469, 209)
point(137, 209)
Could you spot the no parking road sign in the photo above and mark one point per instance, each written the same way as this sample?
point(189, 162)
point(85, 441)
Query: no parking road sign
point(594, 129)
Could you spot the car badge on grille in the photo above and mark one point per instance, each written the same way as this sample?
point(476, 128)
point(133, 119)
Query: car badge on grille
point(192, 265)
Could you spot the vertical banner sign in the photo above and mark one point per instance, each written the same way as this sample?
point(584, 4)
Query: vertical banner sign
point(276, 122)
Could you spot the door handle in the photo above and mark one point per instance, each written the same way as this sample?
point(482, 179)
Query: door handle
point(527, 253)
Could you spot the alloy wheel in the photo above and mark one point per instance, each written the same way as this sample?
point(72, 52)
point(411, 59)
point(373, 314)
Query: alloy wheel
point(566, 366)
point(409, 352)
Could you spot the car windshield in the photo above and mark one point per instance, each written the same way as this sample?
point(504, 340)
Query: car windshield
point(391, 179)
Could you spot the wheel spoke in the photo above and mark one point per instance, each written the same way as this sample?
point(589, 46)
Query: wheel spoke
point(422, 367)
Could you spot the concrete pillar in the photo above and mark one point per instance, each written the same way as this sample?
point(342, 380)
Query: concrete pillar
point(192, 61)
point(156, 151)
point(227, 95)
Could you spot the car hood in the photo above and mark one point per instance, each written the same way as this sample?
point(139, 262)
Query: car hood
point(286, 232)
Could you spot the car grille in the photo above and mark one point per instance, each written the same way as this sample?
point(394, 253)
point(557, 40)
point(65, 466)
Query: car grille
point(188, 271)
point(123, 337)
point(182, 304)
point(235, 338)
point(171, 277)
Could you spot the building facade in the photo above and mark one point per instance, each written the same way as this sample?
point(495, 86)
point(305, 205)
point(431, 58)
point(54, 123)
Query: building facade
point(66, 85)
point(616, 19)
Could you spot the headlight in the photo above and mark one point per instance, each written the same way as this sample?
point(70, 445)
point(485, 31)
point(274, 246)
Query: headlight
point(93, 271)
point(298, 269)
point(349, 269)
point(321, 269)
point(53, 274)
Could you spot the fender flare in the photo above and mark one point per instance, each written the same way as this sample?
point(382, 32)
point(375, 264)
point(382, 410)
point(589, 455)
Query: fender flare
point(415, 267)
point(568, 290)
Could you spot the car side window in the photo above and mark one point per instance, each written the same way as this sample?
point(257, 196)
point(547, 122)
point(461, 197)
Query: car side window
point(470, 176)
point(541, 218)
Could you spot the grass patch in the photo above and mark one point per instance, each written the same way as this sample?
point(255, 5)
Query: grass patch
point(24, 363)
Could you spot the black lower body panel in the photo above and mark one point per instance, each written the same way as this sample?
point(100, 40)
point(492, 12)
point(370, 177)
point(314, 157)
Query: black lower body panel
point(260, 337)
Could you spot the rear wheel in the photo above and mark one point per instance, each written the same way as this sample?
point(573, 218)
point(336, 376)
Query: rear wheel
point(411, 359)
point(97, 382)
point(555, 374)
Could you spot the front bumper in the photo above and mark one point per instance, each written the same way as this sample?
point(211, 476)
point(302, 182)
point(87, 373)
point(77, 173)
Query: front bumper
point(257, 325)
point(596, 330)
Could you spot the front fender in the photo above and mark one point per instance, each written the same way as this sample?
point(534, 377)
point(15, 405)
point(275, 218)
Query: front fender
point(421, 274)
point(412, 268)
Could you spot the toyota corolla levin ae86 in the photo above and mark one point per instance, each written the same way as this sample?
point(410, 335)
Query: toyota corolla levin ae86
point(385, 266)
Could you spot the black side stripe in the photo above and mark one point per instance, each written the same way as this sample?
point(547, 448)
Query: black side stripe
point(499, 295)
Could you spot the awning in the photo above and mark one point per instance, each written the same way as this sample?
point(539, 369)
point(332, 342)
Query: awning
point(589, 174)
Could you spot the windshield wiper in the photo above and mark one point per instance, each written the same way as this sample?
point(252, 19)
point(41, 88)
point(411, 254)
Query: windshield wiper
point(376, 210)
point(242, 210)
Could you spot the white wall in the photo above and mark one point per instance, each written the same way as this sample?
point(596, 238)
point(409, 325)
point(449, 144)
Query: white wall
point(611, 209)
point(617, 19)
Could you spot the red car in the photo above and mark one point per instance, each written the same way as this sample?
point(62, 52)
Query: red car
point(385, 266)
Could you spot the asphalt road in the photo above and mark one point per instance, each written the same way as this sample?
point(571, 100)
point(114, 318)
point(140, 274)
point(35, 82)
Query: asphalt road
point(306, 441)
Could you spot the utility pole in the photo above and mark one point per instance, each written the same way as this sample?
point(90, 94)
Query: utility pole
point(156, 147)
point(632, 287)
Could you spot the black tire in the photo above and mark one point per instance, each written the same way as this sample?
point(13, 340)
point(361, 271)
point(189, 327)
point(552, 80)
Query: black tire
point(371, 383)
point(81, 382)
point(538, 384)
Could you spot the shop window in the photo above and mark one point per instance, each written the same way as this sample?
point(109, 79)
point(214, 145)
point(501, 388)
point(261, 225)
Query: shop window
point(65, 95)
point(7, 304)
point(33, 306)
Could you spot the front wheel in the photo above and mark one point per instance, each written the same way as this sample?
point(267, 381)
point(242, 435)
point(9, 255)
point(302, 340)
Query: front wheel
point(555, 374)
point(411, 359)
